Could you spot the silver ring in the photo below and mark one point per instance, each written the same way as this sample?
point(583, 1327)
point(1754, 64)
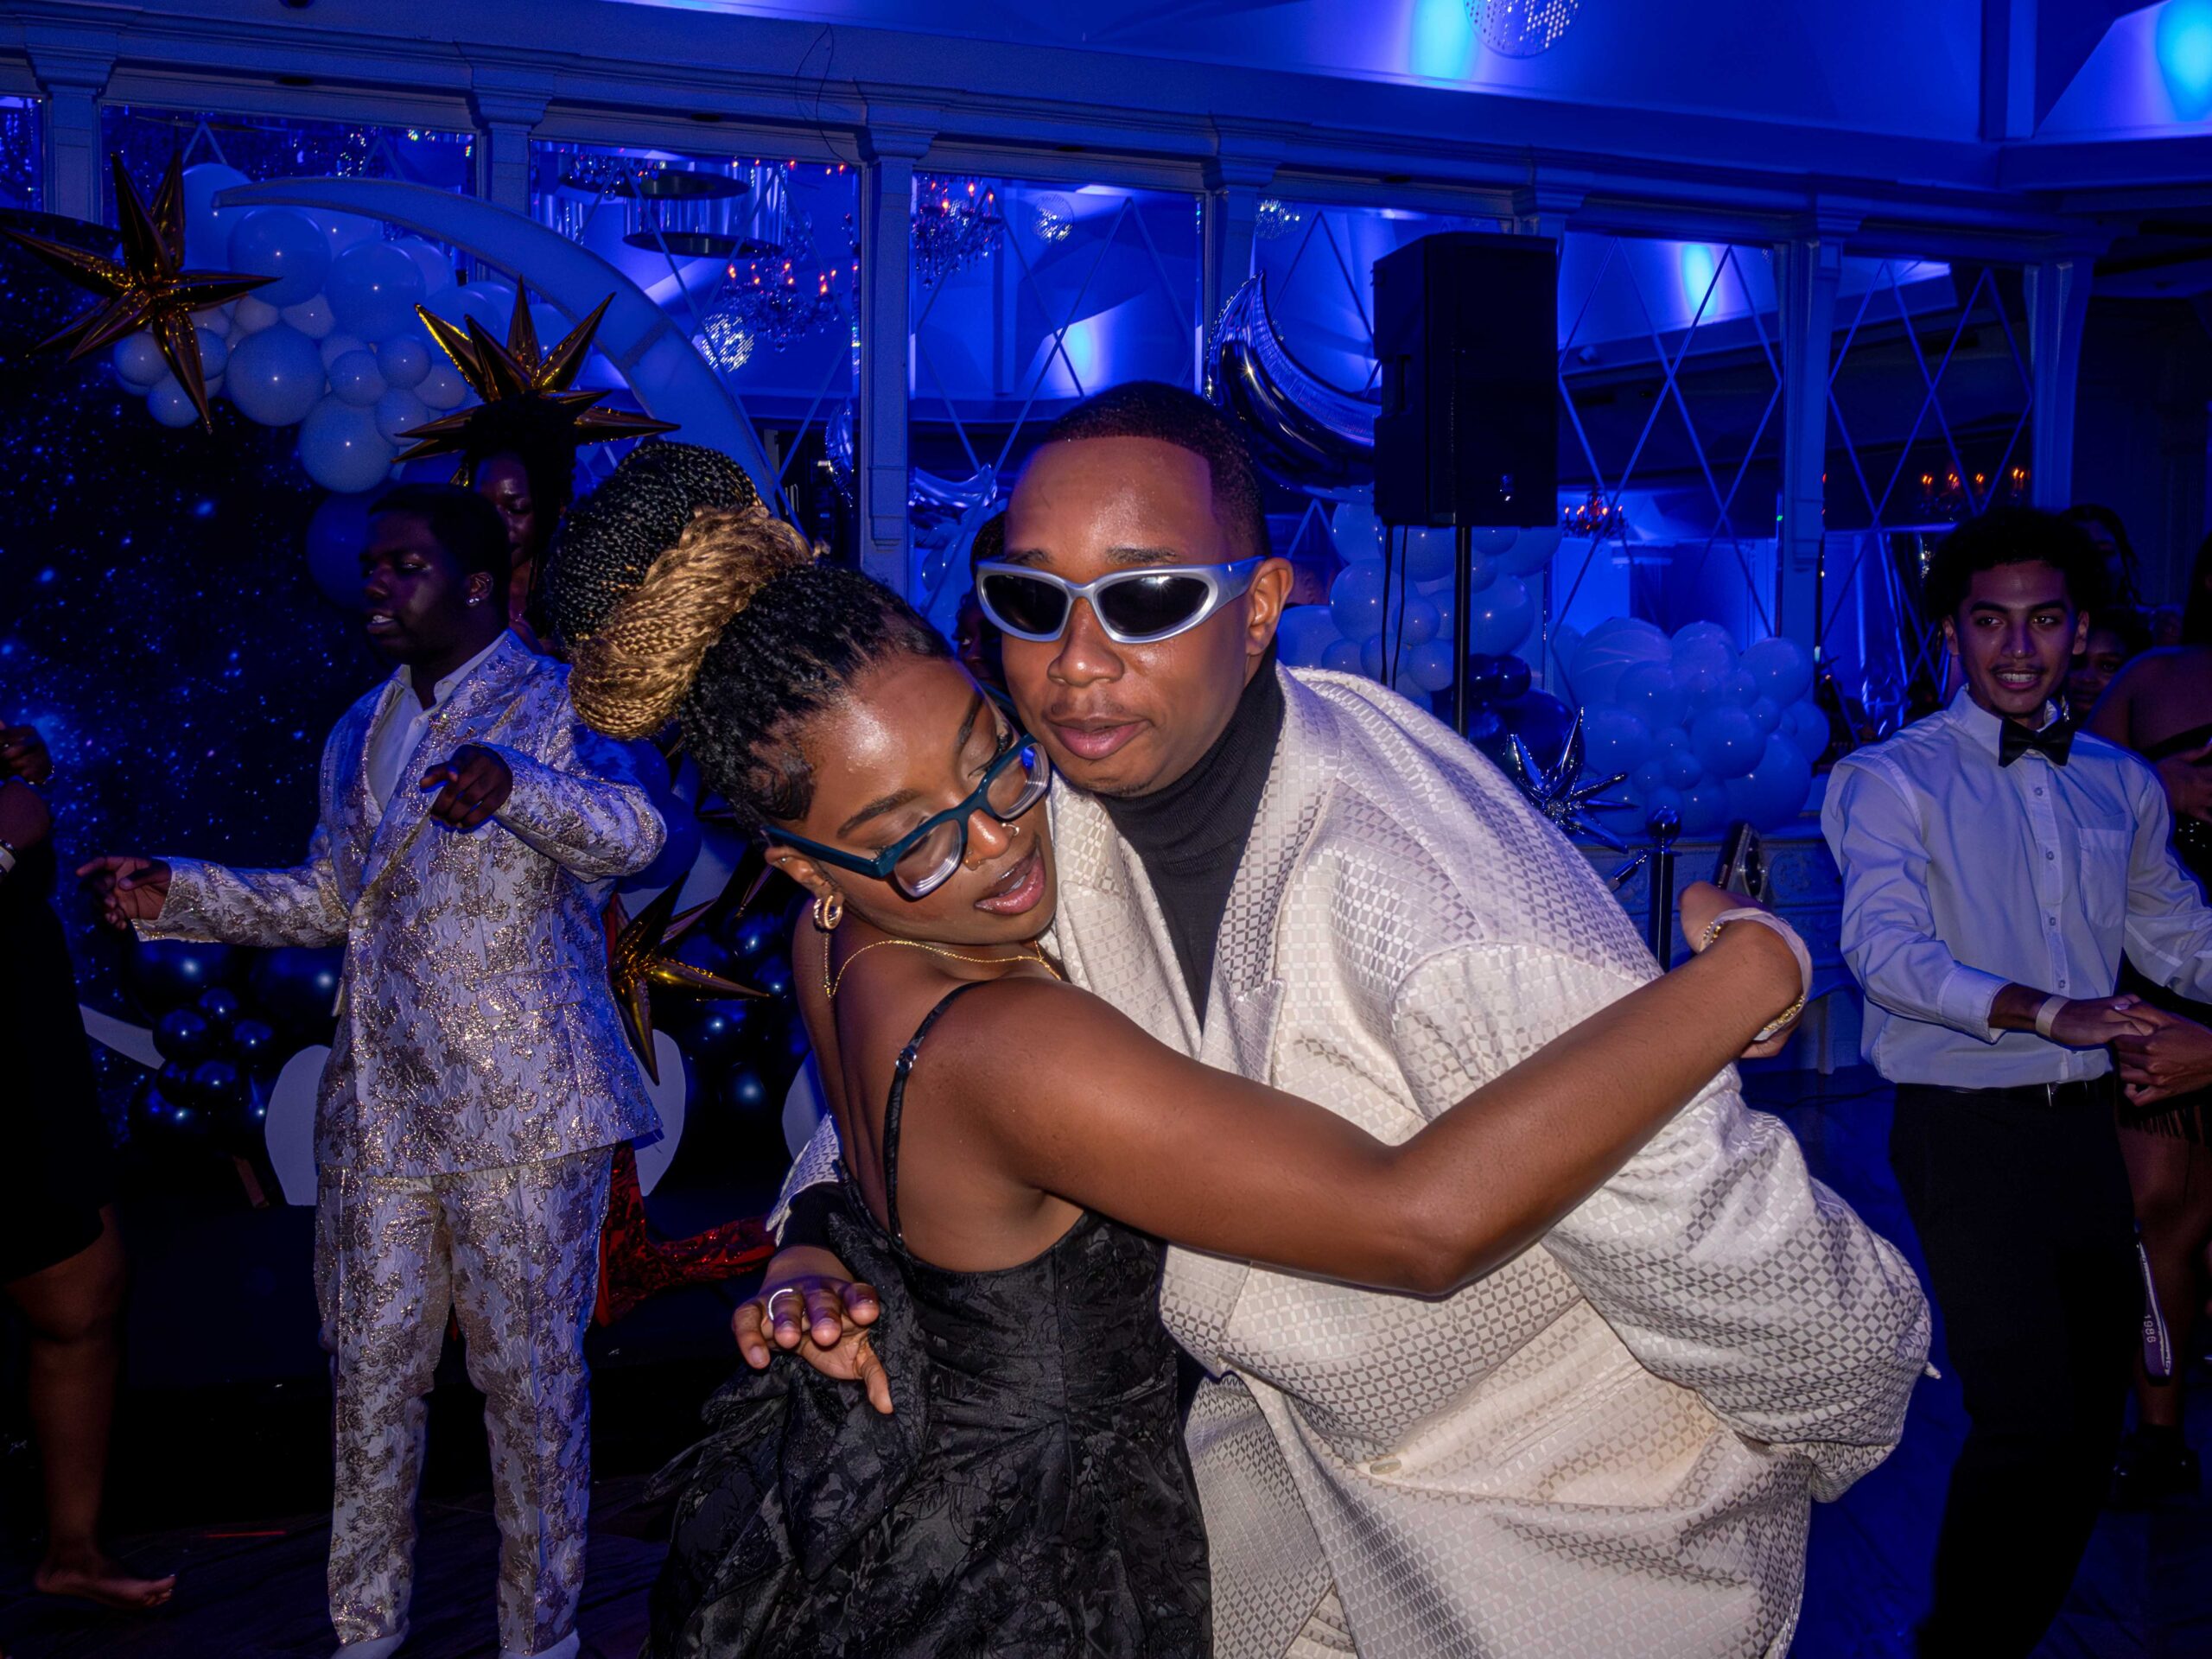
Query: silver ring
point(778, 1296)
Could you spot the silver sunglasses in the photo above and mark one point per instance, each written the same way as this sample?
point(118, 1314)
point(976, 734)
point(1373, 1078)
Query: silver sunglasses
point(1139, 606)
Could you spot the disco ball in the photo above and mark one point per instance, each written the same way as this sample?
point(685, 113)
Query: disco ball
point(1276, 220)
point(1521, 28)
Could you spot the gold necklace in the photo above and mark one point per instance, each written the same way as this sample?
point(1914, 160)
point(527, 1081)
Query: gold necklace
point(829, 986)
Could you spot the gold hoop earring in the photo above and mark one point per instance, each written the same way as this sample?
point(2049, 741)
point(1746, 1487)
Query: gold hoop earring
point(828, 911)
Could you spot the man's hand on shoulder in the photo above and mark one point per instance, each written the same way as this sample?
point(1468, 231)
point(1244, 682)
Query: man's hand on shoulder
point(471, 785)
point(812, 1286)
point(129, 889)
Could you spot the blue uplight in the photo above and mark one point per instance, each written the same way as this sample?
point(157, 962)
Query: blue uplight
point(1698, 266)
point(2184, 46)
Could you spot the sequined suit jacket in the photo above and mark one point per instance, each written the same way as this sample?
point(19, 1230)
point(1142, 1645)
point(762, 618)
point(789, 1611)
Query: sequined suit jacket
point(475, 1027)
point(1608, 1446)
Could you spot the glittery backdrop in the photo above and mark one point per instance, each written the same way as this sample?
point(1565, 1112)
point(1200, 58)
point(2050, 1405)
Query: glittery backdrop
point(157, 621)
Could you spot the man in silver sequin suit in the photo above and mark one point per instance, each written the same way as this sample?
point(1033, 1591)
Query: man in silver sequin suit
point(479, 1077)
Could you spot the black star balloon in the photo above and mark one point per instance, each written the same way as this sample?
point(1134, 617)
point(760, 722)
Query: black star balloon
point(148, 287)
point(527, 394)
point(635, 964)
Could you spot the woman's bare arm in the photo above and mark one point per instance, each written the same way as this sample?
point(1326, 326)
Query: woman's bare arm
point(1214, 1161)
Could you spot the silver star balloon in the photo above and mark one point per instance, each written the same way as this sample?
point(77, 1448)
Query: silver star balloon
point(1556, 791)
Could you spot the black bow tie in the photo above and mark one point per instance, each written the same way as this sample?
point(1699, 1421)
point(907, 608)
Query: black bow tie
point(2053, 742)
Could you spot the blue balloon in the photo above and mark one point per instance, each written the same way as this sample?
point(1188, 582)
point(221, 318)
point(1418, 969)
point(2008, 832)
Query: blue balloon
point(1413, 623)
point(183, 1035)
point(1609, 650)
point(1613, 740)
point(1727, 740)
point(1784, 670)
point(1305, 634)
point(336, 534)
point(1428, 553)
point(403, 359)
point(1678, 762)
point(1774, 791)
point(1766, 712)
point(1540, 721)
point(254, 1043)
point(1705, 809)
point(1355, 599)
point(713, 1034)
point(1342, 658)
point(296, 987)
point(1531, 551)
point(1500, 617)
point(288, 245)
point(1704, 645)
point(220, 1006)
point(1648, 691)
point(1807, 726)
point(342, 449)
point(1514, 675)
point(275, 376)
point(1739, 688)
point(1429, 665)
point(206, 227)
point(217, 1081)
point(163, 973)
point(355, 378)
point(373, 289)
point(1374, 658)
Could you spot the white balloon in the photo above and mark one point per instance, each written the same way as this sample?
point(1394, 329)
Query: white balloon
point(442, 387)
point(354, 379)
point(397, 410)
point(206, 227)
point(436, 265)
point(334, 346)
point(404, 361)
point(168, 403)
point(215, 354)
point(250, 315)
point(342, 449)
point(311, 317)
point(344, 230)
point(138, 361)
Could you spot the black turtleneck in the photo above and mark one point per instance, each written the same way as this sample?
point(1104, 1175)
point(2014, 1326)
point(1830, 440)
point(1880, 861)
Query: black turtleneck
point(1191, 833)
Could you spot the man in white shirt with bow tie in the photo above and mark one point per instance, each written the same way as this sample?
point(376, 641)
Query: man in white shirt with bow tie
point(1996, 863)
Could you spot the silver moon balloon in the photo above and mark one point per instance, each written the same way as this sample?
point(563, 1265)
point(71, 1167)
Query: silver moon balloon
point(1307, 433)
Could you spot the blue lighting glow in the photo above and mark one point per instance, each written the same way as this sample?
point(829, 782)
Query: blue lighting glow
point(1440, 40)
point(2184, 47)
point(1698, 261)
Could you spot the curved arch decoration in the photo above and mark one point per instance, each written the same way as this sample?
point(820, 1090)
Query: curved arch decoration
point(666, 375)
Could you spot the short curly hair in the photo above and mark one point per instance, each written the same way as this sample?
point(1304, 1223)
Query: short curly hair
point(2013, 536)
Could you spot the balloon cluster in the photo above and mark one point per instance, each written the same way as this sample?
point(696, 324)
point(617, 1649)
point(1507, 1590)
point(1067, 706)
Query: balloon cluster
point(743, 1051)
point(1708, 732)
point(331, 344)
point(1396, 623)
point(224, 1021)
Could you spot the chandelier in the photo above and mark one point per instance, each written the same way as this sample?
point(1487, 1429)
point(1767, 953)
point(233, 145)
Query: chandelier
point(1055, 218)
point(1521, 28)
point(1276, 220)
point(1595, 517)
point(956, 223)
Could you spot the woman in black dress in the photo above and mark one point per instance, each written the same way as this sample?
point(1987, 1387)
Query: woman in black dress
point(1018, 1151)
point(61, 1258)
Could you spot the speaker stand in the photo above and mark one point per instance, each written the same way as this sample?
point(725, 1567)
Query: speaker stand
point(1463, 542)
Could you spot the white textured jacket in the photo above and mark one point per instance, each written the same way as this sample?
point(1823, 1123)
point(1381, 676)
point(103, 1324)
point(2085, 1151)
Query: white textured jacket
point(475, 1027)
point(1608, 1446)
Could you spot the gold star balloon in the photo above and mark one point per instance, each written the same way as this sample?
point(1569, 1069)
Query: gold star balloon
point(635, 963)
point(527, 393)
point(148, 287)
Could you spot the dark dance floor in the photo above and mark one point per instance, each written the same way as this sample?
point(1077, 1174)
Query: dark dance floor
point(251, 1584)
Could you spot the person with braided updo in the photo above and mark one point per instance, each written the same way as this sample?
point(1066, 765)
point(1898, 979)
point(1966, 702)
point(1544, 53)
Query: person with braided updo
point(1021, 1485)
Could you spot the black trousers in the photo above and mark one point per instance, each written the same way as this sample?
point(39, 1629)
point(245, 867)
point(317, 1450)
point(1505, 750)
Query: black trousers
point(2024, 1216)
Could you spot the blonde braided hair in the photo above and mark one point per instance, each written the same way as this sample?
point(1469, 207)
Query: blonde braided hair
point(630, 676)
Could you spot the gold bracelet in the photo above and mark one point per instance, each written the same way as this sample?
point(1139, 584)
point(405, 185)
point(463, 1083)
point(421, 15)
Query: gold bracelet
point(1712, 933)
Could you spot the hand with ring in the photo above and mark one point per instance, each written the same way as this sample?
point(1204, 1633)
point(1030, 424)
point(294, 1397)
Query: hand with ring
point(809, 1304)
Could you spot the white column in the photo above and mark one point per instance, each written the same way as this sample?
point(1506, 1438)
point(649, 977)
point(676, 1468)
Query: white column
point(508, 105)
point(72, 67)
point(1806, 271)
point(2059, 310)
point(886, 238)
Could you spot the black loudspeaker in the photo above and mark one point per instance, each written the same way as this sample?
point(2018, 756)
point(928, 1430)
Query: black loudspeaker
point(1466, 327)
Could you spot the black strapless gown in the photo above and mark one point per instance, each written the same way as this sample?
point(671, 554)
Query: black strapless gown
point(2189, 1116)
point(1030, 1496)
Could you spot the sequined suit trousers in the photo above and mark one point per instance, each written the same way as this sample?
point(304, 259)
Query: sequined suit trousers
point(514, 1253)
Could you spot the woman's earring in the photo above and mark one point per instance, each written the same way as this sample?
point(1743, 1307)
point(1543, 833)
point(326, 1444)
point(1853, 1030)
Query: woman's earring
point(828, 910)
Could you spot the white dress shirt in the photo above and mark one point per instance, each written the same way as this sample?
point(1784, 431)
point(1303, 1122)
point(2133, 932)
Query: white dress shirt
point(400, 726)
point(1961, 875)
